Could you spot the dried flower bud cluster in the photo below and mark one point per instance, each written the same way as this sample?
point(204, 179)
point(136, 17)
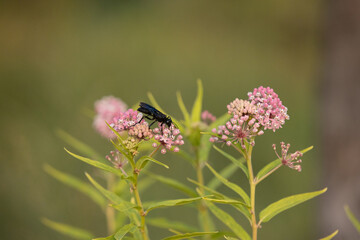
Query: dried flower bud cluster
point(168, 137)
point(107, 108)
point(207, 117)
point(115, 159)
point(270, 112)
point(141, 131)
point(290, 160)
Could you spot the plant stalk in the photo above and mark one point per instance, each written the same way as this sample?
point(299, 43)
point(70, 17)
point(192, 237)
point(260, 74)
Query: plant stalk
point(110, 212)
point(252, 193)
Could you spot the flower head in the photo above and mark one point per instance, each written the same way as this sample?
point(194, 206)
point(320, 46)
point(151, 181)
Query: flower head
point(207, 117)
point(289, 160)
point(168, 137)
point(241, 107)
point(107, 108)
point(141, 131)
point(126, 120)
point(237, 130)
point(270, 112)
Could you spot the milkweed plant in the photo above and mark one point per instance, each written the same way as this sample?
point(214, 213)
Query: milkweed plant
point(136, 146)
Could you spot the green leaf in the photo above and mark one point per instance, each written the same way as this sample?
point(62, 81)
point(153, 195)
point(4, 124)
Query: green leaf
point(77, 184)
point(230, 238)
point(189, 235)
point(124, 230)
point(166, 223)
point(126, 207)
point(235, 161)
point(205, 144)
point(96, 164)
point(352, 218)
point(231, 185)
point(78, 145)
point(141, 161)
point(174, 184)
point(331, 236)
point(283, 204)
point(183, 109)
point(275, 164)
point(197, 107)
point(228, 221)
point(240, 208)
point(226, 201)
point(73, 232)
point(122, 151)
point(171, 203)
point(225, 172)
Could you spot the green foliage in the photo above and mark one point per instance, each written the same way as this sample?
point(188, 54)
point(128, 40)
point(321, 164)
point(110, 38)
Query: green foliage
point(171, 203)
point(283, 204)
point(197, 107)
point(124, 230)
point(189, 235)
point(77, 184)
point(232, 186)
point(168, 224)
point(96, 164)
point(352, 218)
point(236, 162)
point(225, 172)
point(67, 230)
point(140, 164)
point(331, 236)
point(228, 221)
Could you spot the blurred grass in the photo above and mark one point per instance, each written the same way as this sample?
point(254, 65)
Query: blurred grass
point(57, 58)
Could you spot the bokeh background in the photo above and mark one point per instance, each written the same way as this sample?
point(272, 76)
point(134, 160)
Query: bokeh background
point(58, 57)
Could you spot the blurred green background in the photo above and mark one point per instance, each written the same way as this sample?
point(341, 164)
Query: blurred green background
point(58, 57)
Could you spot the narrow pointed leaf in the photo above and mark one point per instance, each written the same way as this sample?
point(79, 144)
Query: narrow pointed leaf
point(352, 218)
point(243, 210)
point(230, 238)
point(274, 164)
point(166, 224)
point(73, 232)
point(189, 235)
point(231, 185)
point(121, 150)
point(96, 164)
point(197, 107)
point(226, 201)
point(228, 221)
point(141, 161)
point(77, 184)
point(331, 236)
point(205, 144)
point(183, 109)
point(174, 184)
point(124, 230)
point(235, 161)
point(225, 172)
point(78, 145)
point(283, 204)
point(171, 203)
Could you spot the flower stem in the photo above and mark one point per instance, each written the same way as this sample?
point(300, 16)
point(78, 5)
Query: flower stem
point(252, 193)
point(143, 229)
point(110, 213)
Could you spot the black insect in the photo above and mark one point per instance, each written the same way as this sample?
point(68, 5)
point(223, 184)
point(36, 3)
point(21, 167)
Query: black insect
point(154, 114)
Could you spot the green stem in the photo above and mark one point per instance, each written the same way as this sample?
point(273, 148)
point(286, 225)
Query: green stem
point(252, 193)
point(267, 174)
point(110, 211)
point(143, 228)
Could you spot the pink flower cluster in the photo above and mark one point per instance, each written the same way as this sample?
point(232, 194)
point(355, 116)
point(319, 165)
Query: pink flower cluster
point(289, 160)
point(237, 130)
point(207, 117)
point(107, 108)
point(168, 138)
point(270, 112)
point(126, 120)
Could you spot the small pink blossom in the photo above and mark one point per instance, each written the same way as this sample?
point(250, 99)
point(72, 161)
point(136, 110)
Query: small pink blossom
point(107, 108)
point(237, 130)
point(289, 160)
point(270, 112)
point(141, 131)
point(207, 117)
point(126, 120)
point(168, 137)
point(116, 159)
